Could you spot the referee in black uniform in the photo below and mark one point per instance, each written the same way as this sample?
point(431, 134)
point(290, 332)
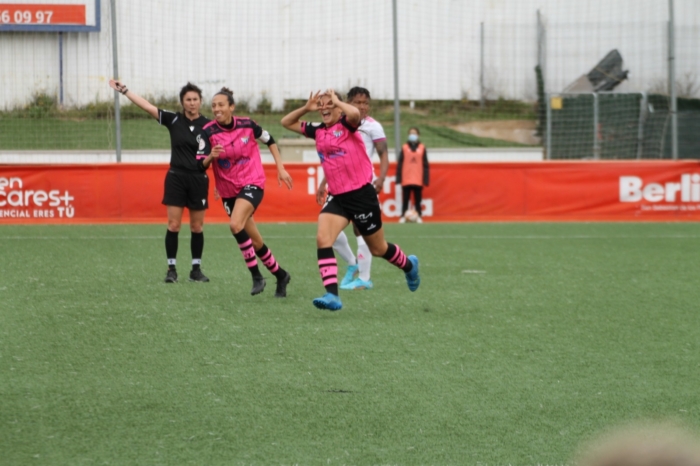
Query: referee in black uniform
point(186, 183)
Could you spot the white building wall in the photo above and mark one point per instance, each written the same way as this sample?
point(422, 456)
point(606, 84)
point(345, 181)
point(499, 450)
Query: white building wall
point(285, 48)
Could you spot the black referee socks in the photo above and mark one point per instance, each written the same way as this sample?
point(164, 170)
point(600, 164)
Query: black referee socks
point(171, 247)
point(197, 247)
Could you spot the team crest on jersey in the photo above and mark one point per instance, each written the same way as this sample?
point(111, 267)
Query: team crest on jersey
point(244, 140)
point(338, 133)
point(223, 163)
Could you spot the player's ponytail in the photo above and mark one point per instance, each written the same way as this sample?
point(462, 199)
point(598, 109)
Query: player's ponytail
point(228, 93)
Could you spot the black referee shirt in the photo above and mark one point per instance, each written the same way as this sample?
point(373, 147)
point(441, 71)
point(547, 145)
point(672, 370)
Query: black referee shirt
point(187, 140)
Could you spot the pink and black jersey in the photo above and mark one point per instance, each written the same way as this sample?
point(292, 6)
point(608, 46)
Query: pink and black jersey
point(239, 164)
point(343, 155)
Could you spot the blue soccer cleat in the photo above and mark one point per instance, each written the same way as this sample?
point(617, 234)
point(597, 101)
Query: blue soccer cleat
point(412, 277)
point(358, 284)
point(328, 301)
point(350, 275)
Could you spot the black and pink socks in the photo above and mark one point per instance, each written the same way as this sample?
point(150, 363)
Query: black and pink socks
point(269, 261)
point(328, 268)
point(246, 246)
point(396, 256)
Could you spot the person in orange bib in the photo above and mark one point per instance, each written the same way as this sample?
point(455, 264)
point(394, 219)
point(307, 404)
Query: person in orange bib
point(412, 173)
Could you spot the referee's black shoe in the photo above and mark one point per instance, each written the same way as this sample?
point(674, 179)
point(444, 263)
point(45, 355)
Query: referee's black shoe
point(258, 285)
point(171, 277)
point(198, 276)
point(281, 291)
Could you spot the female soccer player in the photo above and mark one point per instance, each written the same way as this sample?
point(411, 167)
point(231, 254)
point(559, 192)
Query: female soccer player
point(357, 276)
point(186, 183)
point(351, 197)
point(240, 181)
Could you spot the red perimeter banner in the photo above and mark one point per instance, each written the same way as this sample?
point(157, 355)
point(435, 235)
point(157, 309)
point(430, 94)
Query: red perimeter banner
point(615, 191)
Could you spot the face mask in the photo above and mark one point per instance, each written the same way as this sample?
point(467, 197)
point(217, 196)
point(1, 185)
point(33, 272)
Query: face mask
point(412, 138)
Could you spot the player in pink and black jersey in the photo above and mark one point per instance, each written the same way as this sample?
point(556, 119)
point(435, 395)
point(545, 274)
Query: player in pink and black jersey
point(352, 197)
point(357, 276)
point(240, 181)
point(186, 183)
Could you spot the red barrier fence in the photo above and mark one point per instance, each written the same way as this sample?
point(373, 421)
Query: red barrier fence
point(130, 193)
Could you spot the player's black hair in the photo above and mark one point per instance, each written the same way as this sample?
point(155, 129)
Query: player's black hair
point(357, 91)
point(189, 87)
point(228, 93)
point(414, 128)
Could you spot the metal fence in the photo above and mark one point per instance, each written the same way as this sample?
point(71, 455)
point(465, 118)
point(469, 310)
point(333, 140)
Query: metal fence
point(274, 51)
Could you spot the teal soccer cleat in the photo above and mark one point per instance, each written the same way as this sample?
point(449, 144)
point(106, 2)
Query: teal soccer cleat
point(358, 284)
point(350, 276)
point(412, 277)
point(328, 301)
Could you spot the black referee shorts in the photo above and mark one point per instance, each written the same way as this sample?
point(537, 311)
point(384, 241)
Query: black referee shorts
point(185, 189)
point(361, 207)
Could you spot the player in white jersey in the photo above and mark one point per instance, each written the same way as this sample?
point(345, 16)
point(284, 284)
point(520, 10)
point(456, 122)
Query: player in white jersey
point(357, 276)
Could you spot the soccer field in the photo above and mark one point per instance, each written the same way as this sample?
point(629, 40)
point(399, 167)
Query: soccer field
point(523, 341)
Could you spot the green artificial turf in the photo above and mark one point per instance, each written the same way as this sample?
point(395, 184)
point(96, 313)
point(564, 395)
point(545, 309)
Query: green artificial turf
point(522, 341)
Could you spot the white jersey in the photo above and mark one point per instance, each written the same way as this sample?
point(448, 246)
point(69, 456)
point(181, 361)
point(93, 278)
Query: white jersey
point(371, 131)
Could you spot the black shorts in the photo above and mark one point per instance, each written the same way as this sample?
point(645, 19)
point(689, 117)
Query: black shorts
point(250, 193)
point(186, 189)
point(361, 207)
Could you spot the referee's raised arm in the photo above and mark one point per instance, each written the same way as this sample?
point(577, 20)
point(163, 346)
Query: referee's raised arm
point(135, 98)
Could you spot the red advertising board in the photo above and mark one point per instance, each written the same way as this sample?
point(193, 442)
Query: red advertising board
point(22, 13)
point(50, 16)
point(552, 191)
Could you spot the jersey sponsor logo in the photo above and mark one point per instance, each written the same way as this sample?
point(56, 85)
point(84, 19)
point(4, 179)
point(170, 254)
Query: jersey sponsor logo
point(363, 217)
point(200, 141)
point(332, 155)
point(250, 186)
point(223, 163)
point(633, 189)
point(242, 161)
